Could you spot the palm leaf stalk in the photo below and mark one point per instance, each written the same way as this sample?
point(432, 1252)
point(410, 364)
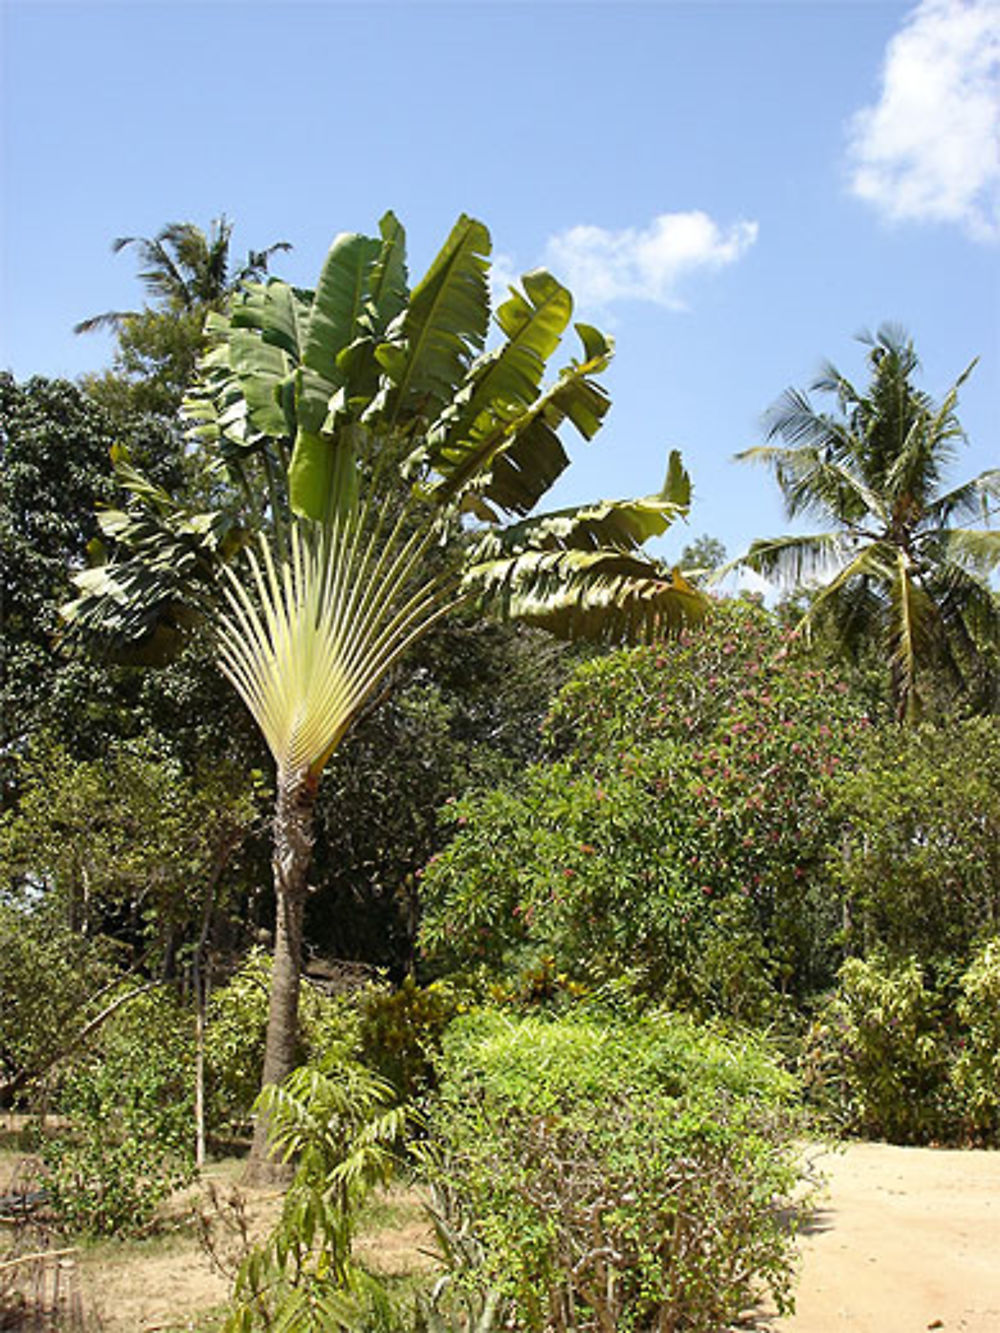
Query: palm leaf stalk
point(890, 568)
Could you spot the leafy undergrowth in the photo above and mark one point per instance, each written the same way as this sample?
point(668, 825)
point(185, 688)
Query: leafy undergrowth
point(166, 1282)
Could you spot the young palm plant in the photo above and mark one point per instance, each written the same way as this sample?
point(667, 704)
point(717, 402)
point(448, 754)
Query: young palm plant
point(380, 447)
point(893, 566)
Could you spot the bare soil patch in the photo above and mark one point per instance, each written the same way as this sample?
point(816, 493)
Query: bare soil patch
point(905, 1239)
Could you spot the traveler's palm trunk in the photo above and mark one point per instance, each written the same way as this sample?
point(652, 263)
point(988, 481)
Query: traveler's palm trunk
point(293, 845)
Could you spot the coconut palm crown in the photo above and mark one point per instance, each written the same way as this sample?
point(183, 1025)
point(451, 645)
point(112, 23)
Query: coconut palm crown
point(902, 561)
point(184, 269)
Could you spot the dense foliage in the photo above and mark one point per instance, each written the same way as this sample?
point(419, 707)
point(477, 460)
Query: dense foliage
point(918, 857)
point(721, 822)
point(466, 710)
point(126, 847)
point(234, 1038)
point(679, 837)
point(127, 1105)
point(909, 1052)
point(617, 1175)
point(306, 403)
point(53, 981)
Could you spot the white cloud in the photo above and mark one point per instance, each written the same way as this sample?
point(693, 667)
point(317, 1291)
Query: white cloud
point(504, 274)
point(929, 150)
point(649, 264)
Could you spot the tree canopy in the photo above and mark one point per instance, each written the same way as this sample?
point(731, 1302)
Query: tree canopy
point(897, 562)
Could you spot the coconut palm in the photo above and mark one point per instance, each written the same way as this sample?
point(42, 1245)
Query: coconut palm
point(184, 270)
point(390, 466)
point(893, 566)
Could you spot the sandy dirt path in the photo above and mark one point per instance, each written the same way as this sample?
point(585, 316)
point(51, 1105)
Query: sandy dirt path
point(905, 1239)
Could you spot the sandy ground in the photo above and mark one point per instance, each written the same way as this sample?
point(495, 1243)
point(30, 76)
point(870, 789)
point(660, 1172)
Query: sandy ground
point(156, 1292)
point(904, 1239)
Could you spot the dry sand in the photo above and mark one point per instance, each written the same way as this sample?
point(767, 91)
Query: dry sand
point(905, 1239)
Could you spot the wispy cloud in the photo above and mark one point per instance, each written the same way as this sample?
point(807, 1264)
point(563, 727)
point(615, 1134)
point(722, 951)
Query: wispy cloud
point(504, 274)
point(929, 150)
point(644, 264)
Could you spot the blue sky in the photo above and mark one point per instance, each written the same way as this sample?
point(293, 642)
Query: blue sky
point(733, 190)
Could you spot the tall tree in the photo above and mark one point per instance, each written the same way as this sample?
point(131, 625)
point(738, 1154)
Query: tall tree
point(893, 565)
point(379, 427)
point(185, 272)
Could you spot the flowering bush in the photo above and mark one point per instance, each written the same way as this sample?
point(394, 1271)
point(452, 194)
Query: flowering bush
point(681, 827)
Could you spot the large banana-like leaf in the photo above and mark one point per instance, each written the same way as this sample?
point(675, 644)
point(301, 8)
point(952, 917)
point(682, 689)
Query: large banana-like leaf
point(610, 525)
point(430, 346)
point(510, 454)
point(579, 572)
point(338, 306)
point(309, 636)
point(152, 572)
point(533, 324)
point(135, 608)
point(600, 596)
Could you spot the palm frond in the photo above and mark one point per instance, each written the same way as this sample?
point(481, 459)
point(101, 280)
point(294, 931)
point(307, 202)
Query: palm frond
point(111, 319)
point(972, 499)
point(912, 626)
point(851, 595)
point(794, 419)
point(977, 550)
point(968, 606)
point(793, 560)
point(812, 482)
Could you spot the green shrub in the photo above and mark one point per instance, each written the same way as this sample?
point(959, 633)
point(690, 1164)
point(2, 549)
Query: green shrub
point(909, 1053)
point(917, 860)
point(237, 1025)
point(52, 980)
point(400, 1031)
point(976, 1071)
point(341, 1126)
point(128, 1105)
point(876, 1056)
point(616, 1175)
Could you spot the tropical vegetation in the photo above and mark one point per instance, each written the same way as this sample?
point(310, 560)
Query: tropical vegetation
point(906, 557)
point(583, 931)
point(185, 272)
point(374, 420)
